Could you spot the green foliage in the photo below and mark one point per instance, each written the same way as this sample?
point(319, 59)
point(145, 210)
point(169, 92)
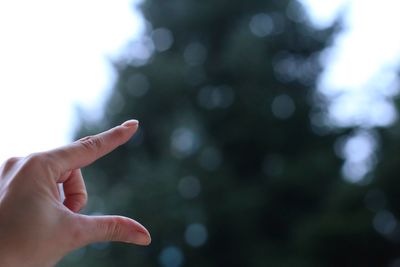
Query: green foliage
point(226, 145)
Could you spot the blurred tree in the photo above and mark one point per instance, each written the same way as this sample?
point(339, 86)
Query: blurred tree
point(226, 169)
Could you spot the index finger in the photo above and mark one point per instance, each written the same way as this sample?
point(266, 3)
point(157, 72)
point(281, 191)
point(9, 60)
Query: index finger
point(85, 151)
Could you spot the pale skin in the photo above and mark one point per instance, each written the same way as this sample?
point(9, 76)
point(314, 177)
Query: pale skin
point(36, 228)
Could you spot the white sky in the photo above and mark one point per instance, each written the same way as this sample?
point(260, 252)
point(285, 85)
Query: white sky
point(54, 55)
point(361, 67)
point(360, 76)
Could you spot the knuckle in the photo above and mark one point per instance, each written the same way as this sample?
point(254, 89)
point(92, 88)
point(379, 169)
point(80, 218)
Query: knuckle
point(76, 201)
point(84, 198)
point(81, 198)
point(9, 164)
point(35, 159)
point(41, 162)
point(91, 142)
point(114, 229)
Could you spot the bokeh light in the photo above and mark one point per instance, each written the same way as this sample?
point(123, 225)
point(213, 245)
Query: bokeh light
point(385, 222)
point(184, 142)
point(283, 106)
point(196, 234)
point(162, 38)
point(358, 151)
point(171, 256)
point(261, 25)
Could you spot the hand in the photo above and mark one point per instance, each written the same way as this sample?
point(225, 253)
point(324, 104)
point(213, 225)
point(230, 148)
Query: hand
point(36, 228)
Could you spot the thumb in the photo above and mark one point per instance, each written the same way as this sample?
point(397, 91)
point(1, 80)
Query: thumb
point(113, 228)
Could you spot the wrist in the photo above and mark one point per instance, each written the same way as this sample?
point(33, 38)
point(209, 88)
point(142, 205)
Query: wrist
point(12, 260)
point(16, 255)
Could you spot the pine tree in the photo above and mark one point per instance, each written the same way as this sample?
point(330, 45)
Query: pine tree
point(226, 169)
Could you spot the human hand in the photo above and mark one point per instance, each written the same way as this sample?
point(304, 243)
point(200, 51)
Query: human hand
point(36, 228)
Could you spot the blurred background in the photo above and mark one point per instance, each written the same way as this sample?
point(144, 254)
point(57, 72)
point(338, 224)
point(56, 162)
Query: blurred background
point(269, 132)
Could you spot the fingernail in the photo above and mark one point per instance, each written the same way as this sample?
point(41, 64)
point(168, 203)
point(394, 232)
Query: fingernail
point(130, 123)
point(141, 238)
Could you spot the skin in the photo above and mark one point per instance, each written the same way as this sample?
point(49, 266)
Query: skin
point(36, 228)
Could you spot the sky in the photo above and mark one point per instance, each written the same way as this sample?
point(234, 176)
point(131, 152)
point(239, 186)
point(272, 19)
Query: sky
point(360, 76)
point(55, 55)
point(361, 65)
